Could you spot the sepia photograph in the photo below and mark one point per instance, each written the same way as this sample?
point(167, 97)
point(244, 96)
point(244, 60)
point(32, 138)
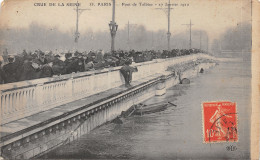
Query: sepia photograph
point(129, 79)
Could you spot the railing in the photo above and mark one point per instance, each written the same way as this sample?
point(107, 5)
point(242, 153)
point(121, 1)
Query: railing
point(22, 99)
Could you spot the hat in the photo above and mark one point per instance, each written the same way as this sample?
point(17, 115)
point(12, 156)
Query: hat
point(58, 56)
point(67, 55)
point(128, 61)
point(10, 58)
point(41, 53)
point(92, 54)
point(29, 57)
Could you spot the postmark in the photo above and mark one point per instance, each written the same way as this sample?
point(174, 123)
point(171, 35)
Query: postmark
point(220, 122)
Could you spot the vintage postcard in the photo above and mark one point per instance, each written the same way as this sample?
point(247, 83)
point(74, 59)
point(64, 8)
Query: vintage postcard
point(129, 79)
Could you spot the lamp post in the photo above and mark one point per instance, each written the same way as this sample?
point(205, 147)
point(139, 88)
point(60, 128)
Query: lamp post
point(113, 28)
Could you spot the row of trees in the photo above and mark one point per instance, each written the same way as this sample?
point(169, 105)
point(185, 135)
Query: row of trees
point(45, 38)
point(235, 38)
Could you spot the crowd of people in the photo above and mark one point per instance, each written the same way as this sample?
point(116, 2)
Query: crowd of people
point(28, 65)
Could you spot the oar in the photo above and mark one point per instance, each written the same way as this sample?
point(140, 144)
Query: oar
point(172, 104)
point(131, 112)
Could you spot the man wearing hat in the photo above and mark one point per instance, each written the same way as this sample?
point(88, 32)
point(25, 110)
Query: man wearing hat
point(58, 65)
point(2, 73)
point(10, 70)
point(127, 72)
point(46, 70)
point(68, 63)
point(43, 67)
point(88, 63)
point(41, 59)
point(28, 72)
point(80, 63)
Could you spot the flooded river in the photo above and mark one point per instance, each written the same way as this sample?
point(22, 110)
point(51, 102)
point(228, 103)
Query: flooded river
point(175, 133)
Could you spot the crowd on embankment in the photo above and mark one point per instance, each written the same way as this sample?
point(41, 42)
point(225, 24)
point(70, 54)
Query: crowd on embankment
point(28, 65)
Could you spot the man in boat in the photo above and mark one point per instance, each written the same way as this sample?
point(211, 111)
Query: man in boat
point(127, 72)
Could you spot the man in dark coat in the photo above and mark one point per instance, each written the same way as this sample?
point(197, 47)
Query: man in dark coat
point(19, 62)
point(127, 72)
point(28, 72)
point(68, 63)
point(88, 64)
point(58, 66)
point(80, 63)
point(46, 70)
point(10, 70)
point(38, 63)
point(2, 74)
point(43, 67)
point(41, 60)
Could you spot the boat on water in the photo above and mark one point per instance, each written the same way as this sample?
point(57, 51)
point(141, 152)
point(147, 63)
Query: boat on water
point(147, 109)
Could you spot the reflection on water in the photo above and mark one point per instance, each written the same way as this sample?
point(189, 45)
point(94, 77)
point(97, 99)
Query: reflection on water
point(177, 131)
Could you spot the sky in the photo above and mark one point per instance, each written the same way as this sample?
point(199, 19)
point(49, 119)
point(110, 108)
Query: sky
point(213, 16)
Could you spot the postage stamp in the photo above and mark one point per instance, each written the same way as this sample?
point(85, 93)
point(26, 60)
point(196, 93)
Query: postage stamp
point(219, 122)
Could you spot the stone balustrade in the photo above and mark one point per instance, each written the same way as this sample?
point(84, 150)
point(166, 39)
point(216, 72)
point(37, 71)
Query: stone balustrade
point(22, 99)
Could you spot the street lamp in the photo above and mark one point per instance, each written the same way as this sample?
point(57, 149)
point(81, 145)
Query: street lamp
point(113, 28)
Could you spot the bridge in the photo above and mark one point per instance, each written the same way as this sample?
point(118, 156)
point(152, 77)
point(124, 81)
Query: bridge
point(41, 114)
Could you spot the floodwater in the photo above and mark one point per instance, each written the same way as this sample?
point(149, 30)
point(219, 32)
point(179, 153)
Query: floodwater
point(175, 133)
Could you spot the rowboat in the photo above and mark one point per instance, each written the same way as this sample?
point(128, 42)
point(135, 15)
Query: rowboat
point(150, 108)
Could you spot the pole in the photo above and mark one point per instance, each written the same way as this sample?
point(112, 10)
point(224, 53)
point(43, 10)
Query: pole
point(190, 34)
point(113, 10)
point(128, 43)
point(152, 41)
point(113, 28)
point(207, 44)
point(77, 25)
point(113, 22)
point(77, 22)
point(128, 34)
point(169, 33)
point(168, 15)
point(190, 31)
point(200, 40)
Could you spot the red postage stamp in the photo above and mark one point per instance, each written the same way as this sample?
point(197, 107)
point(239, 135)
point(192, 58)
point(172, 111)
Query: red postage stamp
point(219, 122)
